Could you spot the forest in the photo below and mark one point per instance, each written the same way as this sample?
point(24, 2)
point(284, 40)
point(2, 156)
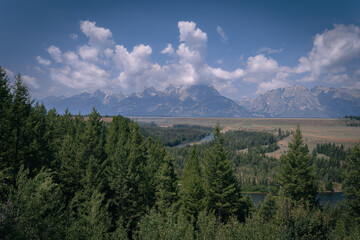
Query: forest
point(64, 177)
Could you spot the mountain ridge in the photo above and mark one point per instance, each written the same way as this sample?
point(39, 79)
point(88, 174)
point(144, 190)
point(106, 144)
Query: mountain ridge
point(205, 101)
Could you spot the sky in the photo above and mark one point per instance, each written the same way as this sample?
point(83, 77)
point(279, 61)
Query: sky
point(242, 48)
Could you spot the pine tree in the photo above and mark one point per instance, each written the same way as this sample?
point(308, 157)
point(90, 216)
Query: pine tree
point(352, 181)
point(222, 188)
point(20, 110)
point(6, 157)
point(116, 166)
point(268, 209)
point(167, 188)
point(135, 185)
point(39, 210)
point(90, 219)
point(38, 154)
point(192, 190)
point(156, 153)
point(296, 178)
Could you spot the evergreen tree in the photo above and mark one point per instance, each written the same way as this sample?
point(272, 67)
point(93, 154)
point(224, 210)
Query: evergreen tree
point(268, 209)
point(249, 206)
point(135, 185)
point(222, 188)
point(192, 190)
point(167, 188)
point(352, 181)
point(20, 110)
point(89, 218)
point(116, 166)
point(6, 156)
point(296, 178)
point(93, 138)
point(38, 153)
point(155, 157)
point(39, 211)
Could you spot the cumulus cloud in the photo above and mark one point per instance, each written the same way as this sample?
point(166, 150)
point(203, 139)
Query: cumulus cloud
point(220, 73)
point(55, 53)
point(78, 74)
point(270, 85)
point(168, 50)
point(136, 68)
point(103, 64)
point(88, 53)
point(222, 34)
point(98, 36)
point(332, 49)
point(260, 68)
point(43, 61)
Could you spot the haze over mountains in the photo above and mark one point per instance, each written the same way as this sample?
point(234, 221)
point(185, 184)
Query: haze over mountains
point(206, 101)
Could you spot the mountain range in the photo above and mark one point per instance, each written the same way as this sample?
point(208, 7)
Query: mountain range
point(206, 101)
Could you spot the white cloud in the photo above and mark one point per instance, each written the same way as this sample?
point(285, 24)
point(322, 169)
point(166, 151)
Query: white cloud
point(193, 36)
point(136, 67)
point(218, 72)
point(30, 81)
point(332, 49)
point(222, 34)
point(43, 61)
point(269, 50)
point(98, 36)
point(168, 50)
point(260, 68)
point(73, 36)
point(55, 53)
point(88, 53)
point(103, 64)
point(270, 85)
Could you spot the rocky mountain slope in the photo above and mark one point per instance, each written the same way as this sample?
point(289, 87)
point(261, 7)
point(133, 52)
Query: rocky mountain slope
point(193, 101)
point(298, 101)
point(206, 101)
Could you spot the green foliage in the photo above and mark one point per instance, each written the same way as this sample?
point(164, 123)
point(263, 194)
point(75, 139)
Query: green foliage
point(268, 209)
point(192, 190)
point(89, 218)
point(221, 186)
point(178, 134)
point(302, 221)
point(296, 176)
point(352, 182)
point(165, 225)
point(38, 209)
point(167, 187)
point(240, 139)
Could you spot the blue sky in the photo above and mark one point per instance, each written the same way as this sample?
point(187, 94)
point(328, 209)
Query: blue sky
point(243, 48)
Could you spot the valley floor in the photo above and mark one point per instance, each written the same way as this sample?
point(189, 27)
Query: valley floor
point(314, 130)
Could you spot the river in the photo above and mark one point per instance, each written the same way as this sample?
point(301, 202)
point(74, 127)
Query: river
point(333, 198)
point(198, 142)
